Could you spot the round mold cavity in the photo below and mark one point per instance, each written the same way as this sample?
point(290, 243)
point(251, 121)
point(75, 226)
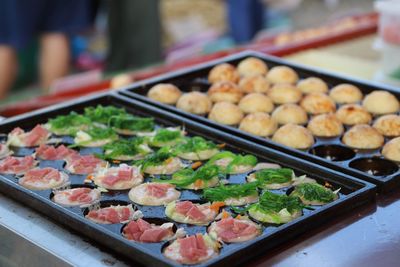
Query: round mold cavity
point(375, 166)
point(156, 221)
point(333, 152)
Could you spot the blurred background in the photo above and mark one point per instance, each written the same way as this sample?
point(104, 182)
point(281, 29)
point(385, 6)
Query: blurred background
point(93, 41)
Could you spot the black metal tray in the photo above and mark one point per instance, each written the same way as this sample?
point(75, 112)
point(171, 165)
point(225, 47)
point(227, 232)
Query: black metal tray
point(353, 192)
point(371, 165)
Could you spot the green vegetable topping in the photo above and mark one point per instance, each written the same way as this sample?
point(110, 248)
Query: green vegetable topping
point(165, 136)
point(125, 147)
point(131, 123)
point(270, 202)
point(232, 161)
point(97, 133)
point(195, 144)
point(274, 176)
point(240, 160)
point(103, 114)
point(188, 176)
point(157, 158)
point(224, 192)
point(69, 124)
point(314, 192)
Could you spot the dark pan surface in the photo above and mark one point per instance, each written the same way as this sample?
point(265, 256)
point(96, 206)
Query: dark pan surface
point(353, 192)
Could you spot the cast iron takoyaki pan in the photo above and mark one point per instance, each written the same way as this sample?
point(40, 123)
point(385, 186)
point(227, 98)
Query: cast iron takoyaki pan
point(353, 192)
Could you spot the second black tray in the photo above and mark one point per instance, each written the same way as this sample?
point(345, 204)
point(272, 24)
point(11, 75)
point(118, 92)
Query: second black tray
point(368, 165)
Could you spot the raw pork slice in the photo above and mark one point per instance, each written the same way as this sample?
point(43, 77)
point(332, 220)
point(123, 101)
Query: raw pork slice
point(231, 230)
point(154, 194)
point(118, 178)
point(192, 250)
point(54, 153)
point(87, 164)
point(111, 214)
point(143, 231)
point(43, 179)
point(191, 213)
point(37, 136)
point(80, 196)
point(17, 165)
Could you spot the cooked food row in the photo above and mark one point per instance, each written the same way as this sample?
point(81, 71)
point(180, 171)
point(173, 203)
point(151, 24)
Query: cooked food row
point(159, 163)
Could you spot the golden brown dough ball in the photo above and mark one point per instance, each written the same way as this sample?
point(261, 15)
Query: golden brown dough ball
point(381, 102)
point(223, 73)
point(284, 93)
point(293, 135)
point(259, 123)
point(363, 136)
point(226, 113)
point(352, 114)
point(346, 94)
point(282, 74)
point(312, 85)
point(391, 150)
point(388, 125)
point(256, 102)
point(290, 113)
point(225, 91)
point(325, 125)
point(194, 102)
point(165, 93)
point(252, 66)
point(318, 103)
point(254, 84)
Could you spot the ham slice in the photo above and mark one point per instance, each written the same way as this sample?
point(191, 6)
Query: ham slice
point(54, 153)
point(193, 247)
point(154, 194)
point(143, 231)
point(158, 190)
point(111, 215)
point(87, 164)
point(81, 196)
point(233, 230)
point(190, 210)
point(118, 178)
point(191, 213)
point(17, 165)
point(42, 179)
point(37, 136)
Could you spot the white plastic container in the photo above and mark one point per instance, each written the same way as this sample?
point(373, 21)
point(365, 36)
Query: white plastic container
point(390, 58)
point(388, 42)
point(389, 20)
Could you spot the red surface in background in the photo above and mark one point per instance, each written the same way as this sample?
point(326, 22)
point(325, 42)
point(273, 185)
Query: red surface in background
point(265, 46)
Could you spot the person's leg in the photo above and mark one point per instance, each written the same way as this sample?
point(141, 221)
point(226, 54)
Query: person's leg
point(134, 34)
point(8, 69)
point(54, 58)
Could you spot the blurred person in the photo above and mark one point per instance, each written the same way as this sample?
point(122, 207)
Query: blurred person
point(134, 34)
point(245, 18)
point(51, 22)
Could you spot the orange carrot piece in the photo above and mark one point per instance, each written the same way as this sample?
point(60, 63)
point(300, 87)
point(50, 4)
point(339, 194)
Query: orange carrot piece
point(221, 145)
point(196, 164)
point(198, 183)
point(225, 215)
point(215, 206)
